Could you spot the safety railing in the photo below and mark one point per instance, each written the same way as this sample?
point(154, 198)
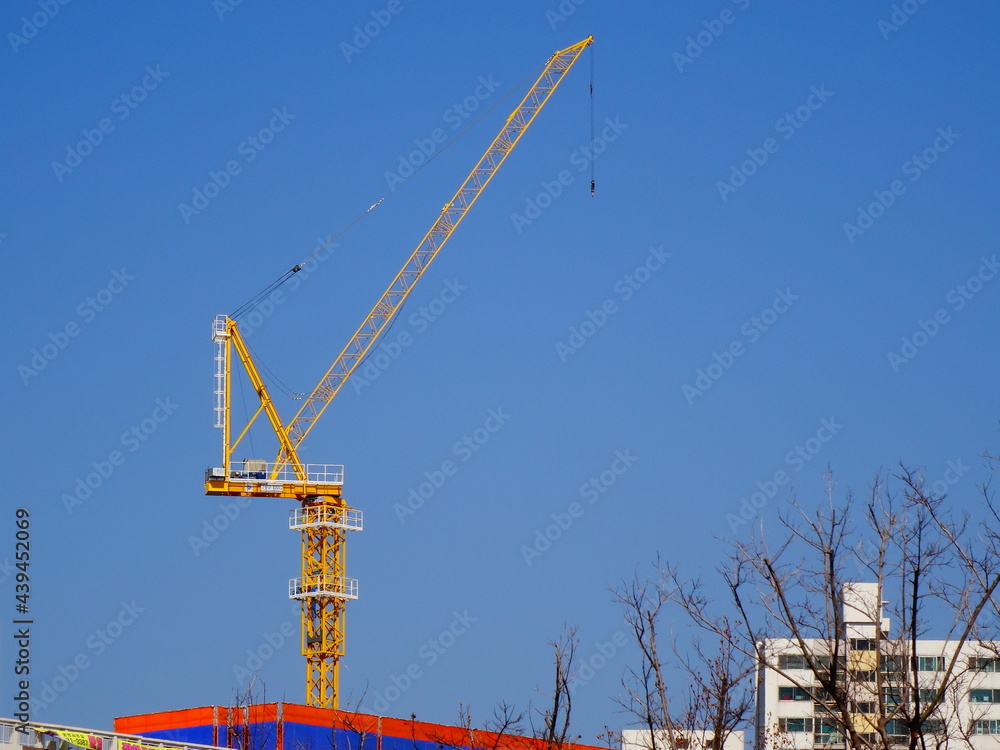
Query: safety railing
point(338, 587)
point(254, 470)
point(59, 737)
point(326, 516)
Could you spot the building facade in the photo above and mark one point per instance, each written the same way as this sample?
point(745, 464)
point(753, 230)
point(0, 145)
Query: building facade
point(290, 726)
point(886, 684)
point(266, 726)
point(683, 739)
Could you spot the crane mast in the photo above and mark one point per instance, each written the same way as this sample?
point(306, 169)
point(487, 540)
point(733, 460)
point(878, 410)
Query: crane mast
point(324, 517)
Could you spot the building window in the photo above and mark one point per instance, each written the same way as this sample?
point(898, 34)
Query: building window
point(827, 732)
point(862, 644)
point(890, 664)
point(792, 661)
point(984, 695)
point(928, 694)
point(896, 728)
point(793, 694)
point(934, 726)
point(795, 725)
point(986, 726)
point(930, 663)
point(891, 696)
point(983, 664)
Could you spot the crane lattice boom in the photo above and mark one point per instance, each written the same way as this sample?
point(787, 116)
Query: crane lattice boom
point(439, 233)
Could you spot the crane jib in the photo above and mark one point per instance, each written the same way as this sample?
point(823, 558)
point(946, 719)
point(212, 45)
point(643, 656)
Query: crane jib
point(421, 258)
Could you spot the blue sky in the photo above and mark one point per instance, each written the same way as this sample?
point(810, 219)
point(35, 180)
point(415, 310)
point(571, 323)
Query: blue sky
point(790, 264)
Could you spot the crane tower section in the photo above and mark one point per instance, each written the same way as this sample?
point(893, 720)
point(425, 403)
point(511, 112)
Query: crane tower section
point(323, 517)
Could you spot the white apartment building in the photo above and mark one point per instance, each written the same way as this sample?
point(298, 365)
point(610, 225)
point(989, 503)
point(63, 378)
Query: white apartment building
point(684, 739)
point(792, 709)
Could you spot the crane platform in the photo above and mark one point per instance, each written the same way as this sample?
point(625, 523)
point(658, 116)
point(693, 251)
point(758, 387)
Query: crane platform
point(255, 478)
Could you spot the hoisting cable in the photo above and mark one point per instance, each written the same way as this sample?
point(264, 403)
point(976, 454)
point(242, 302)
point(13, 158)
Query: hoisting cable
point(281, 385)
point(593, 152)
point(260, 296)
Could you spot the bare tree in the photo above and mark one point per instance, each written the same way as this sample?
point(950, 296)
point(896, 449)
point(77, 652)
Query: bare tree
point(505, 721)
point(717, 693)
point(502, 731)
point(351, 729)
point(611, 738)
point(248, 723)
point(810, 608)
point(553, 721)
point(363, 727)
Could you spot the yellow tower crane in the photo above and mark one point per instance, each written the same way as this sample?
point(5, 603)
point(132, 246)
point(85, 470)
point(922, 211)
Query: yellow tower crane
point(324, 517)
